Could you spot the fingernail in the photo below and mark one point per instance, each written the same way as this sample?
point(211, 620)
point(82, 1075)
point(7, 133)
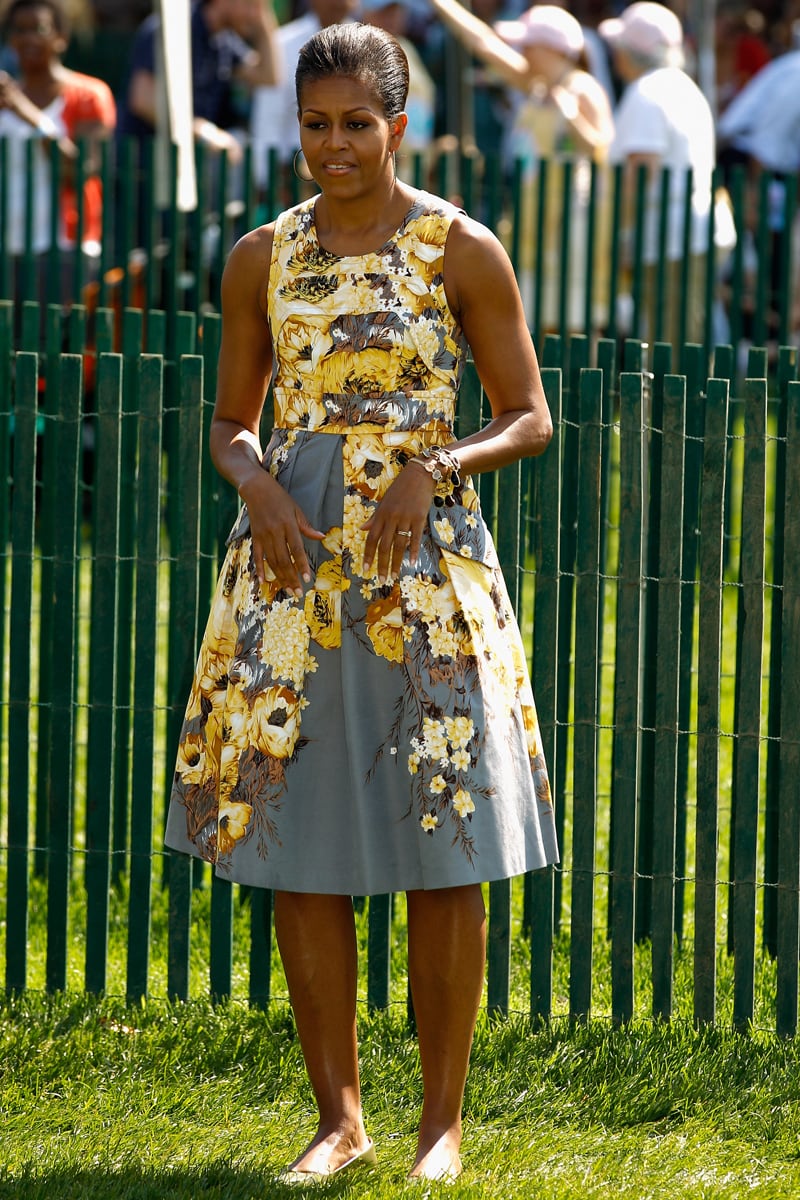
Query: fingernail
point(306, 577)
point(298, 593)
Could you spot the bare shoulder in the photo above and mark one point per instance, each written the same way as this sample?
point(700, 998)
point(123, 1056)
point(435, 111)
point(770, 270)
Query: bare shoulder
point(476, 265)
point(247, 268)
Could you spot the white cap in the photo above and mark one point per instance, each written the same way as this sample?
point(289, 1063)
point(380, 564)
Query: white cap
point(646, 29)
point(543, 25)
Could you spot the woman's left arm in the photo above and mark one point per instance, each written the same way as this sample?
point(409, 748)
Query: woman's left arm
point(483, 293)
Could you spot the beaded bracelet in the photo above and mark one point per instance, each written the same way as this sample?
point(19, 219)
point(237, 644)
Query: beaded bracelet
point(444, 469)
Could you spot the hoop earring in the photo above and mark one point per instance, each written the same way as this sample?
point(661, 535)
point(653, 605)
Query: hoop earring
point(309, 178)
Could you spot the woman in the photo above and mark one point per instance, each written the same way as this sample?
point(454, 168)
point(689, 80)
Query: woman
point(361, 720)
point(564, 115)
point(50, 103)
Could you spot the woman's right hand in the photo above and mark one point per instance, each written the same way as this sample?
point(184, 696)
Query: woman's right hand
point(278, 526)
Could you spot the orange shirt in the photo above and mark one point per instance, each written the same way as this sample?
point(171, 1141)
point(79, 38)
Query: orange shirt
point(86, 100)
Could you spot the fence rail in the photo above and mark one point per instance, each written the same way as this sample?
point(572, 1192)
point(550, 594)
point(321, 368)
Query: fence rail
point(656, 556)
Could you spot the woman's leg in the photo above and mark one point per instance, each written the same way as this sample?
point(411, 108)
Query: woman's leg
point(317, 941)
point(446, 958)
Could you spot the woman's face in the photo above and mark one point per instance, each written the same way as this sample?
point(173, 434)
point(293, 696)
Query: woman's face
point(345, 136)
point(33, 36)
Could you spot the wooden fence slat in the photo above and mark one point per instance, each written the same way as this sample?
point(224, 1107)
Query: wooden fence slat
point(709, 660)
point(747, 718)
point(184, 609)
point(546, 884)
point(20, 681)
point(379, 941)
point(65, 434)
point(694, 368)
point(131, 350)
point(787, 372)
point(6, 343)
point(788, 899)
point(261, 903)
point(584, 804)
point(148, 505)
point(508, 552)
point(102, 668)
point(667, 666)
point(221, 934)
point(626, 697)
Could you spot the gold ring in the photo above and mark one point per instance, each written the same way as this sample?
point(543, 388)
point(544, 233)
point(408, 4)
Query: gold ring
point(404, 532)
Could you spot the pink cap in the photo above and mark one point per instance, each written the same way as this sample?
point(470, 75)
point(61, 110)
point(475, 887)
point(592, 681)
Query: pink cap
point(644, 28)
point(544, 25)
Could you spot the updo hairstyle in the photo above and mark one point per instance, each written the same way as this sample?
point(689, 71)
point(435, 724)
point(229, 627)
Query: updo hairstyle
point(361, 52)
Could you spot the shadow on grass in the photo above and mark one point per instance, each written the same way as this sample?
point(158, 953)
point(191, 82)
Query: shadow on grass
point(184, 1183)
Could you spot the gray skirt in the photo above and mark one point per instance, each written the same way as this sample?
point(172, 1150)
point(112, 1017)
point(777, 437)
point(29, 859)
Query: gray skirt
point(369, 737)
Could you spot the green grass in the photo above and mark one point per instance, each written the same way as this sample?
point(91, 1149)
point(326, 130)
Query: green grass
point(99, 1099)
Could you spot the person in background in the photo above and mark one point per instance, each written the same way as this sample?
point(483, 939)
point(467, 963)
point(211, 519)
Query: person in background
point(563, 114)
point(740, 49)
point(663, 121)
point(232, 43)
point(760, 129)
point(273, 115)
point(361, 720)
point(50, 104)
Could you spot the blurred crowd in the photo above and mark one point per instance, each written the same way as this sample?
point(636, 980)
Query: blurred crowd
point(643, 85)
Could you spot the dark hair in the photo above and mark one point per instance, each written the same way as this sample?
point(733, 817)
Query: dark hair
point(54, 7)
point(361, 52)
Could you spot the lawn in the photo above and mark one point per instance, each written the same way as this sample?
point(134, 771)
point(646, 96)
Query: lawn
point(102, 1100)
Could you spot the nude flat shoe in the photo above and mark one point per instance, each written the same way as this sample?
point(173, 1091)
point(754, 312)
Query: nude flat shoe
point(293, 1178)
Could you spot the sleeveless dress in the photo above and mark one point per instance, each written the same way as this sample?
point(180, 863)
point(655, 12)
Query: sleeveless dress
point(369, 737)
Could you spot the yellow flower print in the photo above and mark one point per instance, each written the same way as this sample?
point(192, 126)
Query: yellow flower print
point(384, 624)
point(275, 722)
point(333, 540)
point(459, 731)
point(191, 765)
point(368, 464)
point(463, 803)
point(300, 406)
point(445, 530)
point(323, 604)
point(285, 643)
point(443, 641)
point(232, 824)
point(438, 784)
point(413, 763)
point(460, 760)
point(470, 521)
point(408, 633)
point(429, 822)
point(466, 552)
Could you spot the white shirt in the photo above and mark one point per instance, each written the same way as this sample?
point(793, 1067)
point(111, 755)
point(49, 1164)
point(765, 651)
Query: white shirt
point(664, 113)
point(273, 115)
point(763, 120)
point(19, 133)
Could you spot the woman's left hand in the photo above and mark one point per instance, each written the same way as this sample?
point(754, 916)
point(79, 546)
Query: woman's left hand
point(397, 523)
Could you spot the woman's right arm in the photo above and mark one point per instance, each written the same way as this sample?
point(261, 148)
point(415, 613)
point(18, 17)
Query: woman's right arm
point(481, 41)
point(277, 524)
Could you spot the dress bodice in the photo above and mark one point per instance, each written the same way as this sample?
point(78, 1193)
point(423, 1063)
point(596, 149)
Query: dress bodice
point(364, 339)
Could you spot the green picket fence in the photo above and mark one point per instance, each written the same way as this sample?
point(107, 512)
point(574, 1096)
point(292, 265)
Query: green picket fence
point(653, 549)
point(577, 271)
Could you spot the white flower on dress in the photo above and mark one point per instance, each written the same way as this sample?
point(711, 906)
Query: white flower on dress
point(463, 803)
point(429, 822)
point(438, 784)
point(460, 760)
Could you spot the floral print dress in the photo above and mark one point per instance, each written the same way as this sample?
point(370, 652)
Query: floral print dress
point(368, 737)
